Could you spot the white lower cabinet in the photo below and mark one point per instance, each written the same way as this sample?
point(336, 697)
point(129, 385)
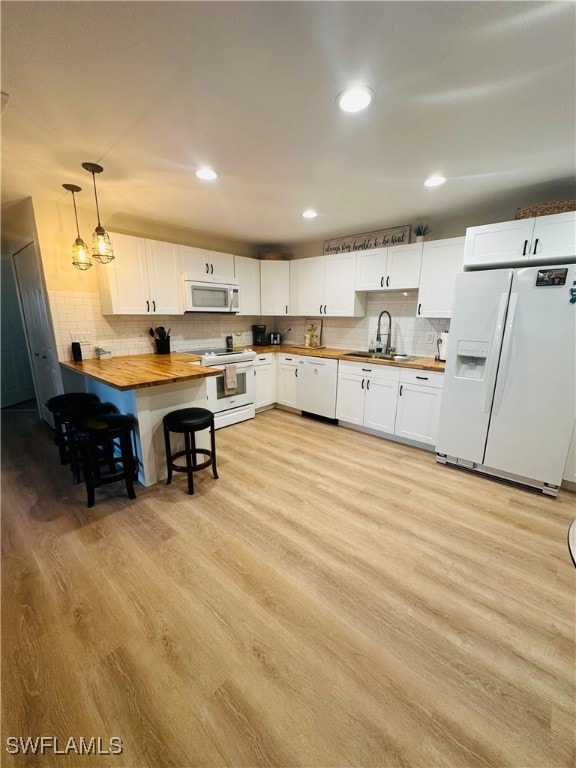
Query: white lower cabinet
point(264, 380)
point(418, 409)
point(287, 381)
point(367, 395)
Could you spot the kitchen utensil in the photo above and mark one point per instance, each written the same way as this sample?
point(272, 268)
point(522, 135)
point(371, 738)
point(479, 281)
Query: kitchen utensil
point(151, 332)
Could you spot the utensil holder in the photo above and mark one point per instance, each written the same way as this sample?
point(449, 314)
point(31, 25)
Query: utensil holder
point(162, 346)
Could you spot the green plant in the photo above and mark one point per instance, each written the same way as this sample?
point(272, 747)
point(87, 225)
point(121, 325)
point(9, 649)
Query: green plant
point(421, 229)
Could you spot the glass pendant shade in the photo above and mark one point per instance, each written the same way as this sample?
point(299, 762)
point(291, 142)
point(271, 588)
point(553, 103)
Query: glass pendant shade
point(101, 246)
point(102, 249)
point(80, 252)
point(81, 255)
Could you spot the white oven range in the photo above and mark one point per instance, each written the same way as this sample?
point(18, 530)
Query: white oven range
point(229, 406)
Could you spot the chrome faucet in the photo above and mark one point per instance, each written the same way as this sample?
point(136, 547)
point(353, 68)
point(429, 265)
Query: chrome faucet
point(389, 335)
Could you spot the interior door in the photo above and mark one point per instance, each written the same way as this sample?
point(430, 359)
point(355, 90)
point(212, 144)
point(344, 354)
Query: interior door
point(17, 381)
point(38, 326)
point(534, 400)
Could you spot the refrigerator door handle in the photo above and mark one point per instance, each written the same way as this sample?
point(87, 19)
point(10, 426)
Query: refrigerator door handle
point(490, 379)
point(506, 352)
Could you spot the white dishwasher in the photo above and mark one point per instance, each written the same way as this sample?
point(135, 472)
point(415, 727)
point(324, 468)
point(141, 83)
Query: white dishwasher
point(317, 381)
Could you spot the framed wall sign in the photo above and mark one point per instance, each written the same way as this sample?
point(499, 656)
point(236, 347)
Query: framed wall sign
point(381, 239)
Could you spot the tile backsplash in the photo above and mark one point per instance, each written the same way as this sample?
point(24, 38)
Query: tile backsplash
point(77, 316)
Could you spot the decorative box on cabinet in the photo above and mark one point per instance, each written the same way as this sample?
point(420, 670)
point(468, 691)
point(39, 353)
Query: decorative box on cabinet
point(394, 268)
point(144, 278)
point(441, 262)
point(247, 273)
point(545, 238)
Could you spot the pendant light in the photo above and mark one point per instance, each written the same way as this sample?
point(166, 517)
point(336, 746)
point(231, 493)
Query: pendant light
point(101, 245)
point(80, 252)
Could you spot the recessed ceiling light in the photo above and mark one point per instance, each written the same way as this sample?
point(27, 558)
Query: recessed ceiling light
point(355, 99)
point(434, 181)
point(206, 174)
point(309, 213)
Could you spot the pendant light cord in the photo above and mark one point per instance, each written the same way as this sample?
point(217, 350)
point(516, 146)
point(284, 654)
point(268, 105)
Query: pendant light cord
point(96, 198)
point(76, 214)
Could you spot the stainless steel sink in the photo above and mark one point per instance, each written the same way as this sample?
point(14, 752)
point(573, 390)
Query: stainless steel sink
point(382, 356)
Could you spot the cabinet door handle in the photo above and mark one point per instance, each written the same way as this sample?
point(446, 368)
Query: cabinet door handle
point(211, 269)
point(382, 282)
point(320, 308)
point(525, 246)
point(401, 385)
point(153, 306)
point(419, 308)
point(36, 354)
point(147, 306)
point(44, 357)
point(368, 384)
point(324, 308)
point(362, 383)
point(535, 246)
point(286, 308)
point(422, 378)
point(387, 281)
point(296, 372)
point(207, 267)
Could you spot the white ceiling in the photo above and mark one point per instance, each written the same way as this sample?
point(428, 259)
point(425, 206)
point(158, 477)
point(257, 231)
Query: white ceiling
point(482, 92)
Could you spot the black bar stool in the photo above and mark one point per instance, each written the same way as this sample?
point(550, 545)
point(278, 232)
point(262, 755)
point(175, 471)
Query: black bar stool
point(56, 405)
point(75, 413)
point(188, 421)
point(106, 441)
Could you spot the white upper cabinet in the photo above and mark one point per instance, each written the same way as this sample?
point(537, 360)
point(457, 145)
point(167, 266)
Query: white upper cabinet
point(395, 268)
point(212, 266)
point(275, 287)
point(144, 278)
point(325, 286)
point(441, 262)
point(247, 273)
point(547, 238)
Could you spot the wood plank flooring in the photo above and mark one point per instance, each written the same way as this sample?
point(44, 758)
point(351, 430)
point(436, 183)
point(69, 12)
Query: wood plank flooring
point(332, 600)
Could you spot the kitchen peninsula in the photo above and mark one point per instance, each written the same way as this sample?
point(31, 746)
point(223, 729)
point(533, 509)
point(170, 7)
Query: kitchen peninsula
point(148, 387)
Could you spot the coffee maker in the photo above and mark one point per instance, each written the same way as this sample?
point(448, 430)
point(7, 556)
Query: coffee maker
point(259, 335)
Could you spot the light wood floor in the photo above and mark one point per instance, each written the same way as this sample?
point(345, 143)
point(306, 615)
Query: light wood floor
point(332, 600)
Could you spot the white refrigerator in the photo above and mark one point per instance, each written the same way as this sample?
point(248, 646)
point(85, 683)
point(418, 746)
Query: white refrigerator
point(509, 399)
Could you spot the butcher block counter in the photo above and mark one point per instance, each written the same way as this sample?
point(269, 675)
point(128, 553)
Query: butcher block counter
point(139, 371)
point(422, 363)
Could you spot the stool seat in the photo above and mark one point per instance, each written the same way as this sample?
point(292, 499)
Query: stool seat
point(104, 441)
point(188, 421)
point(56, 405)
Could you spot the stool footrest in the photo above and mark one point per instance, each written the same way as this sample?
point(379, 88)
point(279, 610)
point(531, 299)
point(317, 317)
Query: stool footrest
point(194, 466)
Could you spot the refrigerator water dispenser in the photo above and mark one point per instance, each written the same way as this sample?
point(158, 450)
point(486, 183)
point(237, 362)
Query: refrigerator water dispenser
point(471, 359)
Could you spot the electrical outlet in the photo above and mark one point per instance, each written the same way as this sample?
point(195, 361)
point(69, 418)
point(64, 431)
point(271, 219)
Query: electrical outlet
point(430, 337)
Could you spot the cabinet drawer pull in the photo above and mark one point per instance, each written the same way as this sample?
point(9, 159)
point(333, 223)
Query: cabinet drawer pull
point(288, 359)
point(422, 378)
point(367, 370)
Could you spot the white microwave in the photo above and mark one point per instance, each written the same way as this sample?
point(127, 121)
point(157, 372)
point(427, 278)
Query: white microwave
point(211, 297)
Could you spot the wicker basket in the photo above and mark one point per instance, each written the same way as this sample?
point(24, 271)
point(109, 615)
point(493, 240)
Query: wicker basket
point(272, 256)
point(545, 209)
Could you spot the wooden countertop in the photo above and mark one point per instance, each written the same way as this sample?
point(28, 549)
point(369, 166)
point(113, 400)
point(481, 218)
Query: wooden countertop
point(423, 363)
point(139, 371)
